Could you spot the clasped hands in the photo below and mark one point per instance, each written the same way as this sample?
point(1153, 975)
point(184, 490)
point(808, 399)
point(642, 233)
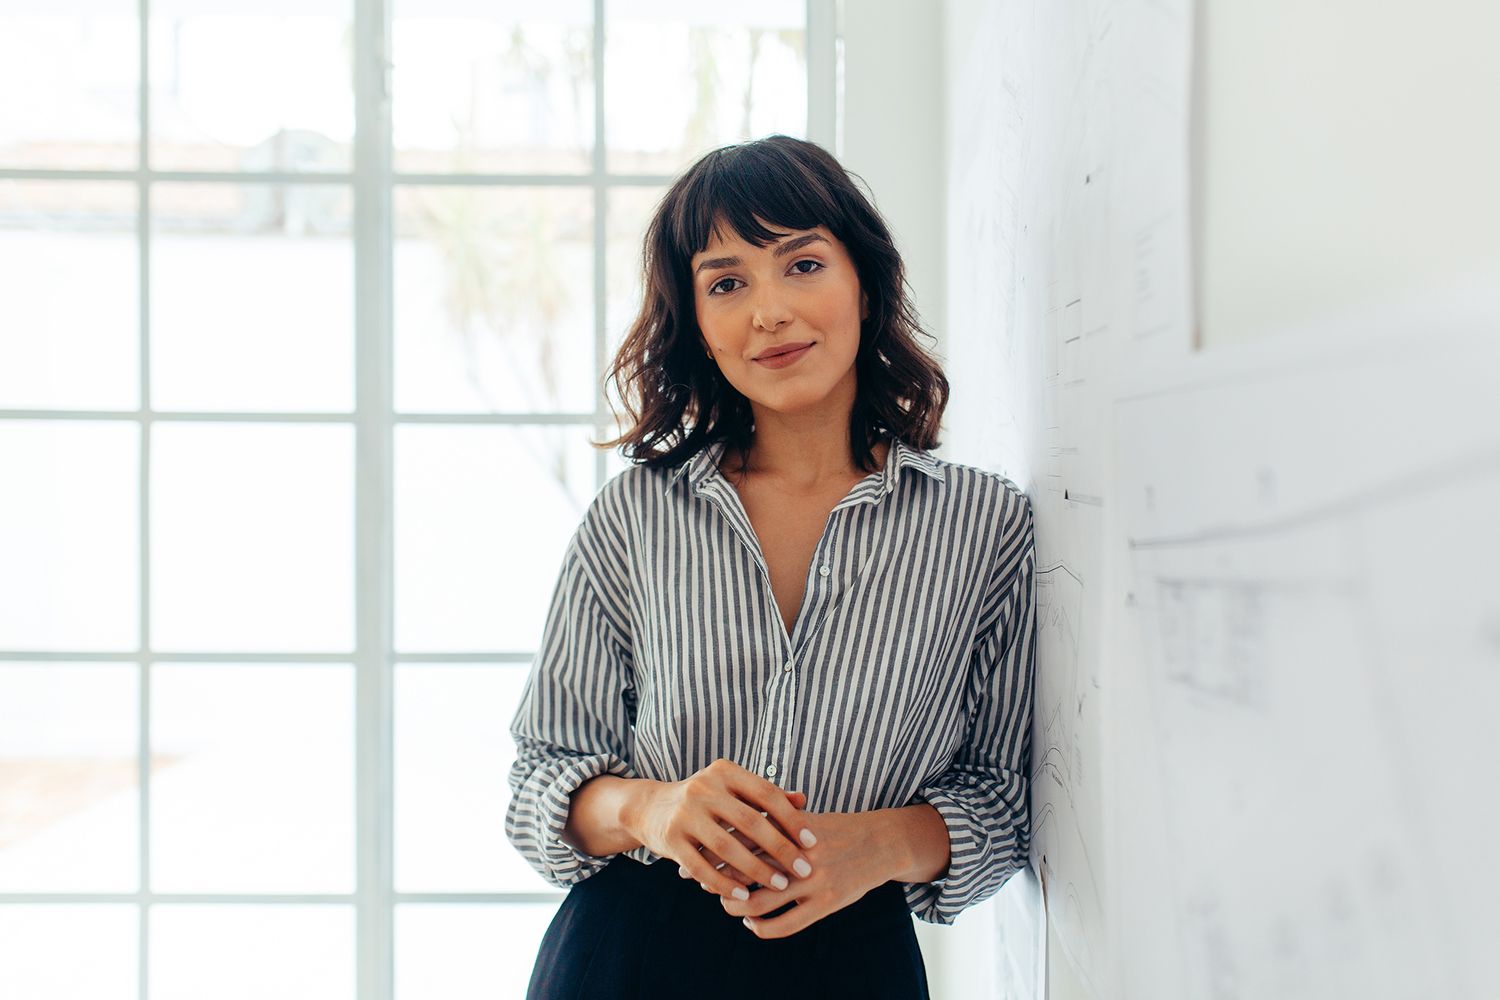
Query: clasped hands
point(748, 841)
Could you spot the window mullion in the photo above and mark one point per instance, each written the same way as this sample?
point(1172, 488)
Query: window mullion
point(601, 238)
point(373, 419)
point(143, 475)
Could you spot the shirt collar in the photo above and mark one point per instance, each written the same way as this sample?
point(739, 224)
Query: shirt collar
point(900, 456)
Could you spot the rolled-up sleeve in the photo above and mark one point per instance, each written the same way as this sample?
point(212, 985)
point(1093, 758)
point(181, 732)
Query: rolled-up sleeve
point(575, 716)
point(983, 795)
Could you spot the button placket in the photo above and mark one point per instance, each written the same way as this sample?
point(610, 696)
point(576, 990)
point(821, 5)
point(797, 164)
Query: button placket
point(809, 621)
point(777, 716)
point(819, 591)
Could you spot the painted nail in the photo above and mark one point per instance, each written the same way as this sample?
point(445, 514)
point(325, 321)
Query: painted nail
point(705, 887)
point(802, 868)
point(807, 838)
point(682, 872)
point(740, 893)
point(747, 923)
point(778, 880)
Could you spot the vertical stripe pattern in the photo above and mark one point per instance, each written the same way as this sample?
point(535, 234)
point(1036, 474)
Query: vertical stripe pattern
point(906, 678)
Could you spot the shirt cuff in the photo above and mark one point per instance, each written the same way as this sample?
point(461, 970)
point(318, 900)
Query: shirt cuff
point(562, 864)
point(977, 865)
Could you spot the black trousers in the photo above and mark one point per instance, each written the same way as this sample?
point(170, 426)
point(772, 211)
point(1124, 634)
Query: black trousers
point(642, 932)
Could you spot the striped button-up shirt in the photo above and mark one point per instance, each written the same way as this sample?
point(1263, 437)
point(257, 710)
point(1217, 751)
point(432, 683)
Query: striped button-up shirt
point(906, 677)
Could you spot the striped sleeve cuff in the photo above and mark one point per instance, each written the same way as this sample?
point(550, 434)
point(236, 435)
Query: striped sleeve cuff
point(542, 787)
point(987, 843)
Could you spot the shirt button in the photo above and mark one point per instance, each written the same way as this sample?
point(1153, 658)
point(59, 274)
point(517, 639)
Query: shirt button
point(823, 570)
point(771, 771)
point(788, 666)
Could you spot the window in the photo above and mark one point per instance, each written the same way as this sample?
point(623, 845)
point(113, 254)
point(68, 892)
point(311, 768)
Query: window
point(300, 351)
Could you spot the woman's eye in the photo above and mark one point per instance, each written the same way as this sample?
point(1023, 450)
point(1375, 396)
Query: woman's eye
point(717, 287)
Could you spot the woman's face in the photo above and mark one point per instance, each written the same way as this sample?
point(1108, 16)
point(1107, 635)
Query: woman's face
point(801, 289)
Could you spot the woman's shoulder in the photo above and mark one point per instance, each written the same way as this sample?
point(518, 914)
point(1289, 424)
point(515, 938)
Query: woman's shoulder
point(987, 483)
point(999, 511)
point(632, 486)
point(627, 497)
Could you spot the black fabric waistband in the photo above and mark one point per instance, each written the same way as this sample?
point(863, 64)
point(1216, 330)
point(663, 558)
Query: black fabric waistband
point(659, 891)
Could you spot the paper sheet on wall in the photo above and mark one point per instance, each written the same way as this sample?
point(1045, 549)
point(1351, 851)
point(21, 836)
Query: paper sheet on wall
point(1310, 662)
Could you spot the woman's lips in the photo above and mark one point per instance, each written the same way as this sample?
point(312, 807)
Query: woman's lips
point(782, 360)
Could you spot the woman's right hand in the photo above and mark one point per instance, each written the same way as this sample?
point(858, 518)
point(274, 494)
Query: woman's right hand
point(677, 818)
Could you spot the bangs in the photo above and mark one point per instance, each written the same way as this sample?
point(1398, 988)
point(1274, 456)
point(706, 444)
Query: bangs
point(742, 185)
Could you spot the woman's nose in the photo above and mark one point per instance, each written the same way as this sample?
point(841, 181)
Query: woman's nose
point(769, 309)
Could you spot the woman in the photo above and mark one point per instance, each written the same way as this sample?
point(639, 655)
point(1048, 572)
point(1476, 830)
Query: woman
point(789, 654)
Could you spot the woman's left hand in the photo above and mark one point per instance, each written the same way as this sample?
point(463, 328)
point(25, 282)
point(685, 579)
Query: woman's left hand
point(851, 857)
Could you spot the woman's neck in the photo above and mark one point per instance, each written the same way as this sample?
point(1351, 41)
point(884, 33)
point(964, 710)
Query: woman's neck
point(803, 469)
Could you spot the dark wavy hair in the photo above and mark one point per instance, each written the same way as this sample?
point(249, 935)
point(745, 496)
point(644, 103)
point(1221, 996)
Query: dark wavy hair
point(678, 400)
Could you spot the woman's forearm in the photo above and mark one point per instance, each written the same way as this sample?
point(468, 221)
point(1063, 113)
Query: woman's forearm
point(601, 818)
point(918, 837)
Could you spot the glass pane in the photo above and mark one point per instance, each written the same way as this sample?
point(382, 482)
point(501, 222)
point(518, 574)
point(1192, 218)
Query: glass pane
point(494, 299)
point(469, 952)
point(614, 462)
point(78, 64)
point(257, 790)
point(247, 85)
point(59, 348)
point(449, 754)
point(69, 535)
point(500, 87)
point(41, 946)
point(303, 952)
point(252, 537)
point(630, 210)
point(69, 799)
point(483, 516)
point(252, 297)
point(683, 77)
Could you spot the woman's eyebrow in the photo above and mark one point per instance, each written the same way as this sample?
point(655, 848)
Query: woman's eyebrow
point(782, 249)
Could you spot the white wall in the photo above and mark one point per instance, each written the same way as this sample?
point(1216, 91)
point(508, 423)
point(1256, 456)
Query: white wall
point(892, 133)
point(1349, 148)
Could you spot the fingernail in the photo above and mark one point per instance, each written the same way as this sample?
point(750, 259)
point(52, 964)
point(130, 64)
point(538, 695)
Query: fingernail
point(778, 880)
point(802, 868)
point(807, 838)
point(747, 923)
point(740, 893)
point(705, 887)
point(682, 872)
